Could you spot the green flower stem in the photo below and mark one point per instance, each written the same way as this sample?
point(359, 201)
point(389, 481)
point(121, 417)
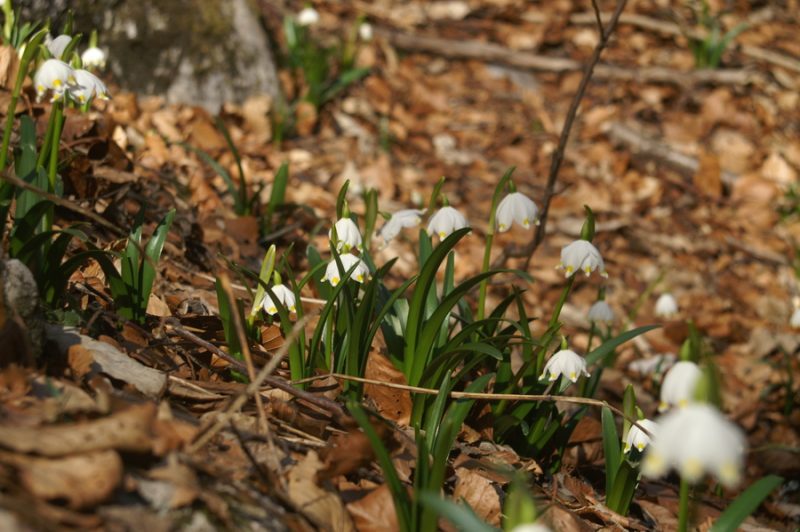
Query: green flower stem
point(487, 252)
point(48, 136)
point(30, 51)
point(55, 141)
point(683, 509)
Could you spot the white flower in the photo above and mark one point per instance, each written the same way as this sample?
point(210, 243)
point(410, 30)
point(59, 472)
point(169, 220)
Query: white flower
point(794, 321)
point(445, 221)
point(516, 207)
point(581, 255)
point(365, 31)
point(531, 527)
point(93, 57)
point(58, 45)
point(639, 438)
point(347, 235)
point(333, 275)
point(666, 306)
point(308, 17)
point(565, 362)
point(399, 221)
point(695, 440)
point(88, 86)
point(601, 311)
point(285, 297)
point(54, 75)
point(679, 384)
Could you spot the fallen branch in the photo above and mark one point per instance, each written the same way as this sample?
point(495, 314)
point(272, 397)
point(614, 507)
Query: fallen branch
point(586, 401)
point(669, 28)
point(640, 144)
point(495, 53)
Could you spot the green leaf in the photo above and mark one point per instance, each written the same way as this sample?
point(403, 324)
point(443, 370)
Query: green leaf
point(621, 494)
point(277, 195)
point(242, 197)
point(461, 515)
point(610, 448)
point(746, 503)
point(402, 502)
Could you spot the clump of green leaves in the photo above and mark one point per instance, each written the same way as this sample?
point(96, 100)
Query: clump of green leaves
point(708, 50)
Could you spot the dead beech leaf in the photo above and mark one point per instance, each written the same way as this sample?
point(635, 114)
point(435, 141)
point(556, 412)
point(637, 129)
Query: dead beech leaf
point(390, 403)
point(9, 66)
point(375, 512)
point(83, 481)
point(345, 453)
point(480, 493)
point(323, 508)
point(129, 430)
point(107, 359)
point(708, 178)
point(306, 116)
point(182, 487)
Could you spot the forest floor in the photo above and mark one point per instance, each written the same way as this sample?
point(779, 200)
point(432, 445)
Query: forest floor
point(689, 172)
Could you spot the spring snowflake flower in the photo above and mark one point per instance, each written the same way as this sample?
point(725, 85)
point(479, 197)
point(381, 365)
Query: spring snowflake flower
point(333, 275)
point(695, 440)
point(284, 295)
point(565, 362)
point(365, 31)
point(794, 321)
point(581, 255)
point(54, 75)
point(58, 45)
point(679, 384)
point(88, 86)
point(308, 17)
point(347, 235)
point(94, 57)
point(531, 527)
point(399, 221)
point(445, 221)
point(516, 207)
point(601, 311)
point(639, 438)
point(666, 306)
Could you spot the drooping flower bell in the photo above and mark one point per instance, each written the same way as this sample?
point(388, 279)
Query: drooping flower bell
point(581, 255)
point(794, 321)
point(93, 57)
point(637, 437)
point(334, 275)
point(531, 527)
point(601, 312)
point(666, 306)
point(679, 385)
point(516, 207)
point(284, 295)
point(694, 441)
point(54, 75)
point(308, 16)
point(400, 220)
point(445, 221)
point(88, 86)
point(565, 362)
point(365, 31)
point(347, 235)
point(57, 46)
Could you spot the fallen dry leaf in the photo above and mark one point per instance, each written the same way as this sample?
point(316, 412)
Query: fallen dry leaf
point(128, 430)
point(83, 480)
point(374, 512)
point(324, 508)
point(480, 493)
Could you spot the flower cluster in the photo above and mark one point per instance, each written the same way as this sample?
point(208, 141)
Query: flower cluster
point(58, 77)
point(694, 441)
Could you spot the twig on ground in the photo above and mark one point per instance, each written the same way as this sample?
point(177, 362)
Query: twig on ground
point(495, 53)
point(245, 345)
point(558, 156)
point(9, 176)
point(219, 422)
point(669, 28)
point(640, 144)
point(479, 395)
